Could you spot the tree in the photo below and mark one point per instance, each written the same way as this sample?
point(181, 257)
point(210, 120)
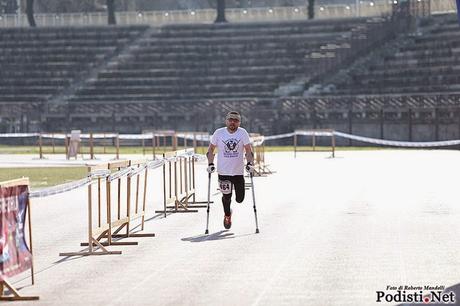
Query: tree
point(311, 9)
point(111, 11)
point(30, 13)
point(220, 12)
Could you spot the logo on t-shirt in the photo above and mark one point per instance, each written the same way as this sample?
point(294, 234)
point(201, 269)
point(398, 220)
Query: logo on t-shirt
point(231, 147)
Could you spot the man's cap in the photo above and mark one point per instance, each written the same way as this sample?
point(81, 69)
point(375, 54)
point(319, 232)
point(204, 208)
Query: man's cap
point(233, 115)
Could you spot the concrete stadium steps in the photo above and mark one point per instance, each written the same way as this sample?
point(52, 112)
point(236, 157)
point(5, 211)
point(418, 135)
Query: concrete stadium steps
point(254, 43)
point(426, 62)
point(184, 97)
point(222, 39)
point(439, 36)
point(49, 66)
point(217, 32)
point(29, 89)
point(18, 81)
point(416, 63)
point(173, 95)
point(203, 71)
point(210, 61)
point(432, 80)
point(234, 62)
point(103, 110)
point(440, 71)
point(211, 53)
point(279, 27)
point(191, 88)
point(64, 43)
point(425, 53)
point(221, 54)
point(408, 84)
point(64, 51)
point(174, 63)
point(398, 90)
point(33, 74)
point(37, 63)
point(84, 32)
point(453, 43)
point(33, 58)
point(19, 97)
point(446, 28)
point(202, 80)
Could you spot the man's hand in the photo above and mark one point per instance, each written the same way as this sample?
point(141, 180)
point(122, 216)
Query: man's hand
point(250, 167)
point(211, 168)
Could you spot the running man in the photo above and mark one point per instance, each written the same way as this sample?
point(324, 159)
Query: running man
point(230, 142)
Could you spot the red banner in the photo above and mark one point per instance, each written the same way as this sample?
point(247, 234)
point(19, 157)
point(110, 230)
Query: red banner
point(15, 256)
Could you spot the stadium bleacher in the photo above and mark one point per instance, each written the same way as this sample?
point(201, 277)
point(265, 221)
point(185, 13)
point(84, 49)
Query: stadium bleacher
point(172, 63)
point(426, 61)
point(208, 61)
point(37, 63)
point(127, 78)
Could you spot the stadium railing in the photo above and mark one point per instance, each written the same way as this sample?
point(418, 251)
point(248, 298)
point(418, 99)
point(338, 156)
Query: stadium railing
point(378, 8)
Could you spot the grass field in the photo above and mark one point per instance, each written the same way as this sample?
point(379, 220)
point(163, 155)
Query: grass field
point(44, 177)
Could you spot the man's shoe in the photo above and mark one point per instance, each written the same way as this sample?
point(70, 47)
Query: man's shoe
point(228, 221)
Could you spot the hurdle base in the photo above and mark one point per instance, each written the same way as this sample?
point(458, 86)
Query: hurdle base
point(184, 207)
point(201, 202)
point(177, 211)
point(90, 253)
point(15, 294)
point(19, 298)
point(193, 205)
point(134, 235)
point(105, 243)
point(129, 234)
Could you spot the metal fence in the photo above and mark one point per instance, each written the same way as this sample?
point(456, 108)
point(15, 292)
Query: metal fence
point(360, 8)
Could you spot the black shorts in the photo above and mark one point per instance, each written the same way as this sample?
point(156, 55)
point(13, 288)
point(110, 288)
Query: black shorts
point(237, 182)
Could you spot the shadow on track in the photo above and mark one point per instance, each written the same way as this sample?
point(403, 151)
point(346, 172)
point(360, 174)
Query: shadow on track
point(220, 235)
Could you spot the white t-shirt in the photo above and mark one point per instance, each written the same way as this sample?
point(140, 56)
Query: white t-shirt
point(230, 156)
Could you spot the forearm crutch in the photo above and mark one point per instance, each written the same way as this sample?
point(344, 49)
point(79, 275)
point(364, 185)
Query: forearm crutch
point(209, 201)
point(254, 201)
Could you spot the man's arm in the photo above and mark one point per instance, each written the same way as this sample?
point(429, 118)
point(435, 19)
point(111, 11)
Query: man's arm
point(210, 153)
point(249, 154)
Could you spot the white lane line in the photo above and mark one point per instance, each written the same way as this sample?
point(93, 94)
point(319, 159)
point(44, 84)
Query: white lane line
point(275, 276)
